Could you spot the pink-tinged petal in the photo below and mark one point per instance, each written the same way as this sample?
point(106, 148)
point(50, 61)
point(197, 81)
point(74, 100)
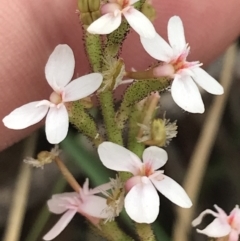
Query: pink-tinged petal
point(132, 181)
point(207, 82)
point(233, 236)
point(25, 116)
point(60, 225)
point(156, 156)
point(101, 188)
point(118, 158)
point(82, 87)
point(59, 203)
point(106, 24)
point(56, 126)
point(110, 8)
point(158, 48)
point(140, 23)
point(131, 2)
point(173, 191)
point(142, 202)
point(94, 206)
point(60, 67)
point(216, 229)
point(186, 94)
point(198, 220)
point(221, 214)
point(176, 36)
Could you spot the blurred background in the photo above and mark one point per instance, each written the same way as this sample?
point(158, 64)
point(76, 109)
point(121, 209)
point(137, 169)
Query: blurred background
point(220, 169)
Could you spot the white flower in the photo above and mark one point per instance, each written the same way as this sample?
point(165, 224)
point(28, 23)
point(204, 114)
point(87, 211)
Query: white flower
point(142, 201)
point(59, 71)
point(184, 91)
point(84, 202)
point(112, 18)
point(222, 225)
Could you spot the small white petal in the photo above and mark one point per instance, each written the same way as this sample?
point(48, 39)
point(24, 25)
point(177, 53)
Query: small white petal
point(198, 220)
point(60, 225)
point(233, 236)
point(94, 206)
point(105, 24)
point(156, 156)
point(118, 158)
point(186, 94)
point(142, 202)
point(176, 35)
point(59, 203)
point(216, 229)
point(140, 23)
point(207, 82)
point(173, 191)
point(82, 87)
point(158, 48)
point(60, 67)
point(25, 116)
point(56, 126)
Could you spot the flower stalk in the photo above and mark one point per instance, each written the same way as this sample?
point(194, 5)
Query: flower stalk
point(106, 101)
point(67, 175)
point(84, 122)
point(137, 92)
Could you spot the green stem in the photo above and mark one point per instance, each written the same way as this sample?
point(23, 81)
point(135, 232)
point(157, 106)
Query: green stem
point(106, 101)
point(93, 47)
point(136, 92)
point(111, 232)
point(115, 40)
point(145, 232)
point(84, 122)
point(133, 144)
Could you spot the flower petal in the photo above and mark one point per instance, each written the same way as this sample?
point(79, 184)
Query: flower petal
point(60, 67)
point(56, 126)
point(60, 225)
point(59, 203)
point(198, 220)
point(156, 156)
point(94, 206)
point(142, 202)
point(140, 23)
point(173, 191)
point(176, 35)
point(186, 94)
point(233, 236)
point(106, 24)
point(118, 158)
point(25, 116)
point(207, 82)
point(216, 229)
point(158, 48)
point(82, 87)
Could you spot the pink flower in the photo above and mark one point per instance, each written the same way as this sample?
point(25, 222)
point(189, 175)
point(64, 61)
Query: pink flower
point(222, 225)
point(184, 91)
point(142, 201)
point(59, 71)
point(112, 18)
point(84, 202)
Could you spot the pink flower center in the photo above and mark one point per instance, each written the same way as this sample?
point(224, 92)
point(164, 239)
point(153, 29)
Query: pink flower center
point(112, 6)
point(55, 98)
point(146, 169)
point(180, 62)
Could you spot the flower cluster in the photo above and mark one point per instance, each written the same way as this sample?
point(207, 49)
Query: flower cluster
point(138, 193)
